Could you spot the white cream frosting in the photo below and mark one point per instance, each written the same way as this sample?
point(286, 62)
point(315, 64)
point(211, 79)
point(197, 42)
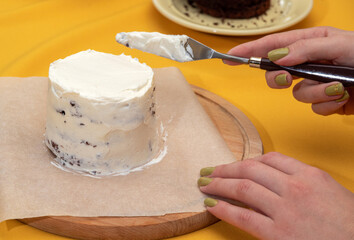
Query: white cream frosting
point(101, 113)
point(120, 77)
point(168, 46)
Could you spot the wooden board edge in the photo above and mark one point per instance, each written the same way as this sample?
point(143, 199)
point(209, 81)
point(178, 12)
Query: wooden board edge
point(255, 146)
point(166, 222)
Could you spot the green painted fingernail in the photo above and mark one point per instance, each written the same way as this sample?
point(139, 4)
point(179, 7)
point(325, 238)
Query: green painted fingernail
point(344, 97)
point(281, 80)
point(278, 54)
point(206, 171)
point(335, 89)
point(210, 202)
point(203, 181)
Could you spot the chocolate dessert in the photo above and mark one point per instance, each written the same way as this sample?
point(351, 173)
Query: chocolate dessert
point(232, 8)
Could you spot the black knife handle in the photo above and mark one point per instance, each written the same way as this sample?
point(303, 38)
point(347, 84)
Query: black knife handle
point(318, 72)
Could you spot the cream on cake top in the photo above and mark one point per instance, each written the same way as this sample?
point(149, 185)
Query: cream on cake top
point(101, 76)
point(168, 46)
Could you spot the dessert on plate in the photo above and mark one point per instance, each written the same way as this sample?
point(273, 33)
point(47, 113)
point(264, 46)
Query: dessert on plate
point(232, 8)
point(101, 113)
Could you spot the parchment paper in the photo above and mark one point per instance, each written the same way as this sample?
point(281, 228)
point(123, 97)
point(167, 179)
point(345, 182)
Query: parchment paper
point(30, 186)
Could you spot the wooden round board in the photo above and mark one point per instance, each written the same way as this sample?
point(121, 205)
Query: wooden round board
point(241, 137)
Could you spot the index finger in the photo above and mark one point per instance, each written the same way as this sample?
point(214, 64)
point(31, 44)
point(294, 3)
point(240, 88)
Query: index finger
point(260, 47)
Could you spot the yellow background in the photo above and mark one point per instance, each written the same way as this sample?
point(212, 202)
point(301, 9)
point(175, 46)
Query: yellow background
point(35, 33)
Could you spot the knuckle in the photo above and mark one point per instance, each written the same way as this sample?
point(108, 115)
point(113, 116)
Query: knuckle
point(269, 156)
point(269, 39)
point(296, 95)
point(319, 111)
point(284, 231)
point(297, 189)
point(269, 76)
point(272, 155)
point(245, 216)
point(347, 109)
point(299, 44)
point(243, 187)
point(323, 30)
point(309, 94)
point(247, 164)
point(327, 28)
point(302, 50)
point(297, 91)
point(305, 183)
point(341, 39)
point(317, 173)
point(297, 186)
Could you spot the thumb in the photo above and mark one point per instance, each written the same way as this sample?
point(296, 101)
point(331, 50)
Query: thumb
point(331, 49)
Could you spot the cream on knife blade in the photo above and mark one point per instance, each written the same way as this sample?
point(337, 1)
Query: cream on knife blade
point(168, 46)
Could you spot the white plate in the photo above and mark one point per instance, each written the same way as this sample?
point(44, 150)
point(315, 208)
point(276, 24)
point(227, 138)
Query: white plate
point(280, 15)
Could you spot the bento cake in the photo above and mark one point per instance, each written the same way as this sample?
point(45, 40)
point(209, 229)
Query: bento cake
point(101, 113)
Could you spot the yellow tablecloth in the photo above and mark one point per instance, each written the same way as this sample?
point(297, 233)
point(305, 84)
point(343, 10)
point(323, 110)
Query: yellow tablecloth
point(36, 32)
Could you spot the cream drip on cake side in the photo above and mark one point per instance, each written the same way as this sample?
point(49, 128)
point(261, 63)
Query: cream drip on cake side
point(101, 113)
point(168, 46)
